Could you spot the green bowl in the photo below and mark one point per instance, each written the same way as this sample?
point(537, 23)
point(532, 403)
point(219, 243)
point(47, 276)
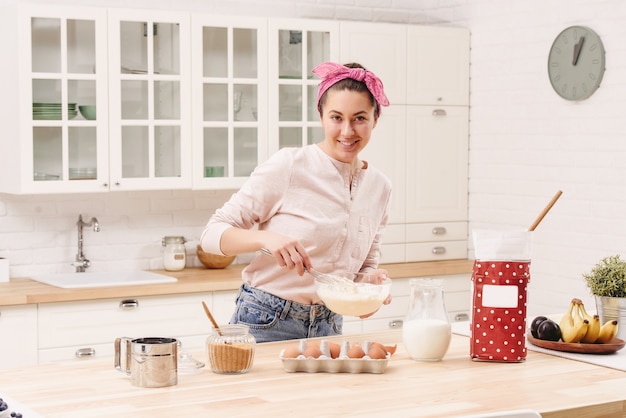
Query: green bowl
point(88, 111)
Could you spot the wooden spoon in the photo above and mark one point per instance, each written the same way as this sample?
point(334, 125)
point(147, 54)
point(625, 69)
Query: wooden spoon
point(545, 210)
point(208, 314)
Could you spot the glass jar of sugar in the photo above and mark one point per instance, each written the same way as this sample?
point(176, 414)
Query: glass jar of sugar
point(174, 255)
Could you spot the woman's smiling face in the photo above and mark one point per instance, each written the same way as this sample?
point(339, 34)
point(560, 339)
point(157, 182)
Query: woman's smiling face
point(348, 120)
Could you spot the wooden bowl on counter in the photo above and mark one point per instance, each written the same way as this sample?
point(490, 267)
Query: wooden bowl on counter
point(214, 261)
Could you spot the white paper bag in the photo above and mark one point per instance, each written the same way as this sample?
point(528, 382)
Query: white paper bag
point(505, 245)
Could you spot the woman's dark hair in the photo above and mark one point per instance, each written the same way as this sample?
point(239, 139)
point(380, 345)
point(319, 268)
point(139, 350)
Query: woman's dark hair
point(350, 84)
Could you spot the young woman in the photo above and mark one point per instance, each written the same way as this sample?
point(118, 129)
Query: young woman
point(317, 207)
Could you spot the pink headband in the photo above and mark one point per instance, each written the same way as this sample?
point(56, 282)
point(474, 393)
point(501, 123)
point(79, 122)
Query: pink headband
point(331, 73)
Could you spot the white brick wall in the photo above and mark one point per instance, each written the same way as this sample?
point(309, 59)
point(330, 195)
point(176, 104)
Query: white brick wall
point(525, 144)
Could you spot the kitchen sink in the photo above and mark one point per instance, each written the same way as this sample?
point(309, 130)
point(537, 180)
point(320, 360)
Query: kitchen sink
point(102, 279)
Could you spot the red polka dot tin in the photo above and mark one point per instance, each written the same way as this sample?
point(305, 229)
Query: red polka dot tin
point(498, 324)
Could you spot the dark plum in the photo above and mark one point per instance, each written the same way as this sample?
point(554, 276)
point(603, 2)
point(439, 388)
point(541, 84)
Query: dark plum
point(549, 330)
point(535, 324)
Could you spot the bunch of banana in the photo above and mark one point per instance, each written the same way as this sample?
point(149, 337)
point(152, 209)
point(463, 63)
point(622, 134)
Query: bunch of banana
point(573, 326)
point(577, 325)
point(593, 331)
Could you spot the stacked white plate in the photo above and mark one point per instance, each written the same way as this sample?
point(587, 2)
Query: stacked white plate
point(52, 111)
point(83, 173)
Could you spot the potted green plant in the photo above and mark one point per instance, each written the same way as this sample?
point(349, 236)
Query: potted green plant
point(607, 282)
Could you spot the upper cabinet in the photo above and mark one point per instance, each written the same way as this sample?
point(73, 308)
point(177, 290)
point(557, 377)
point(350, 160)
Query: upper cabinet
point(114, 99)
point(54, 77)
point(296, 47)
point(437, 65)
point(382, 48)
point(149, 100)
point(230, 113)
point(102, 100)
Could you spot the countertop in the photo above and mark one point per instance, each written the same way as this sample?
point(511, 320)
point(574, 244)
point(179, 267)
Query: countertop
point(456, 386)
point(20, 291)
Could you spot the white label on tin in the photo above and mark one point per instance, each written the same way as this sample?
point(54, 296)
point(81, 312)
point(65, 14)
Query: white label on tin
point(498, 296)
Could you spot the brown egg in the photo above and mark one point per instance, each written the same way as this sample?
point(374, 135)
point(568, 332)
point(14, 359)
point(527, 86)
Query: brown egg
point(356, 351)
point(291, 352)
point(312, 351)
point(335, 349)
point(391, 349)
point(377, 353)
point(379, 345)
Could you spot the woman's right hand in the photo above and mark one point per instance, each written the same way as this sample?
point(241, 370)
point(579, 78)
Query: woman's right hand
point(288, 252)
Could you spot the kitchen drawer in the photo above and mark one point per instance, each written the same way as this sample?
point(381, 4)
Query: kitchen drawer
point(431, 251)
point(86, 352)
point(395, 234)
point(392, 253)
point(436, 232)
point(18, 328)
point(70, 324)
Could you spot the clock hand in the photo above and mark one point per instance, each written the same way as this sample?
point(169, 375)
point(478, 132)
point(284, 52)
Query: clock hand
point(577, 48)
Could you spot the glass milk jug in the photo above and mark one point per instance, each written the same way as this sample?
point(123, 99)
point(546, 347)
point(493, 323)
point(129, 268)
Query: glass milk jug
point(426, 330)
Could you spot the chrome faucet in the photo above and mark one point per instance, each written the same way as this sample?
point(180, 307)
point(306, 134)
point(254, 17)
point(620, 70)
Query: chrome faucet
point(81, 263)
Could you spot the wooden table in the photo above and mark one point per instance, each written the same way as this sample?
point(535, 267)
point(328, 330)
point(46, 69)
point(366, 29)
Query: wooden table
point(456, 386)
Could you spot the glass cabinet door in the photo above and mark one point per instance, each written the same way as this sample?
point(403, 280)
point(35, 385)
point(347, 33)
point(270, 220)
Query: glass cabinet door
point(67, 136)
point(149, 93)
point(229, 73)
point(297, 48)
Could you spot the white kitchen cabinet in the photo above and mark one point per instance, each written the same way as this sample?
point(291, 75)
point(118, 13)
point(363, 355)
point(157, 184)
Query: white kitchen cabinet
point(437, 65)
point(429, 202)
point(457, 297)
point(54, 63)
point(423, 149)
point(60, 59)
point(18, 327)
point(430, 64)
point(380, 47)
point(230, 112)
point(149, 99)
point(437, 158)
point(296, 46)
point(84, 329)
point(436, 192)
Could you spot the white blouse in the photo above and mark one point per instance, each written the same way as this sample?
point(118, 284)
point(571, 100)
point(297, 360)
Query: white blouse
point(305, 194)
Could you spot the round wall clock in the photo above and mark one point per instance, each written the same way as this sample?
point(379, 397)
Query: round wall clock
point(576, 63)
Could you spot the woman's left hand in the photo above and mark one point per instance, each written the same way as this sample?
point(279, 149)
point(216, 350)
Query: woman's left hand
point(380, 274)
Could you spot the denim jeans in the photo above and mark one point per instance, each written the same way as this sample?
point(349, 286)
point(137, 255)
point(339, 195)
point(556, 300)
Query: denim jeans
point(271, 318)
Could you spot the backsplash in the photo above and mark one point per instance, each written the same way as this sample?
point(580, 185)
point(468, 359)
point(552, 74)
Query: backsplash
point(38, 234)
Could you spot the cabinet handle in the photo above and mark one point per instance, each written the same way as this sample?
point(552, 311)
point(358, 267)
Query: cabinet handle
point(461, 317)
point(439, 112)
point(439, 250)
point(396, 323)
point(129, 304)
point(105, 184)
point(85, 352)
point(439, 230)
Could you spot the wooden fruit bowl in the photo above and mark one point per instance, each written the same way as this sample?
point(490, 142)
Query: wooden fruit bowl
point(214, 261)
point(612, 346)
